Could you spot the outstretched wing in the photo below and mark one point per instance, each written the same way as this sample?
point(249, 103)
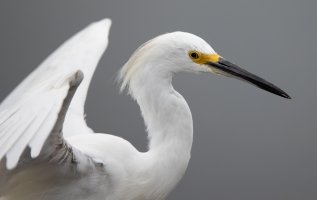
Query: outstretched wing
point(37, 118)
point(81, 52)
point(42, 108)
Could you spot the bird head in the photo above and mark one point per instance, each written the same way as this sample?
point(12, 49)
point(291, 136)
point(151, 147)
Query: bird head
point(184, 52)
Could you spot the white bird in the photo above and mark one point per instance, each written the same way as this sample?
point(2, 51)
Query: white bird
point(48, 152)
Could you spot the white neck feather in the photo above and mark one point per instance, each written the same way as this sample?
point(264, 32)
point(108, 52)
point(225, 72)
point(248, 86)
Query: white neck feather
point(169, 125)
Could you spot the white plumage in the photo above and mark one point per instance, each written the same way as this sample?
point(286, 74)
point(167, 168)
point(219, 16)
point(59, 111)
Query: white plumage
point(48, 152)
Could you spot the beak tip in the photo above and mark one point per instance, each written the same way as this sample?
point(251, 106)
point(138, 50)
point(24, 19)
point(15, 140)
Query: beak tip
point(286, 96)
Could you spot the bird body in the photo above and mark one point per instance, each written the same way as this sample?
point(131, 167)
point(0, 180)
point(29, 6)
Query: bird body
point(48, 152)
point(116, 171)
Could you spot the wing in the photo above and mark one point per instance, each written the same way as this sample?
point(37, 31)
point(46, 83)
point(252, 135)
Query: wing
point(82, 52)
point(40, 109)
point(37, 119)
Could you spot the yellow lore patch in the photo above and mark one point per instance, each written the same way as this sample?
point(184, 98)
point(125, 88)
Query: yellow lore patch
point(201, 58)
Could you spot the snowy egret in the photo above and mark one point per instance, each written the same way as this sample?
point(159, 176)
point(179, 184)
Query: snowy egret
point(48, 152)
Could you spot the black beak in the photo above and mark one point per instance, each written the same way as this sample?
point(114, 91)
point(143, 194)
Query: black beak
point(233, 70)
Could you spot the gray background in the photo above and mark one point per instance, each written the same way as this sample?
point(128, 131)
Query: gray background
point(248, 144)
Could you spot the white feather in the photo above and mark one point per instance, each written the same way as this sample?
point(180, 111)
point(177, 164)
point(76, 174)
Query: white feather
point(81, 52)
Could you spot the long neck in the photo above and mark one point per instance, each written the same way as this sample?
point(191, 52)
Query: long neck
point(169, 125)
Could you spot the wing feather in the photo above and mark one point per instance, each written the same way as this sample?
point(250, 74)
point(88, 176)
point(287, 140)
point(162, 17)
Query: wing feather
point(44, 106)
point(26, 137)
point(81, 52)
point(38, 121)
point(31, 122)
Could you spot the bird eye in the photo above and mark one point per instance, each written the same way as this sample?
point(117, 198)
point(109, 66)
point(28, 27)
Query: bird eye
point(195, 55)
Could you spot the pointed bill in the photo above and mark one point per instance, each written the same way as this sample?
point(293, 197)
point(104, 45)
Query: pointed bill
point(229, 69)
